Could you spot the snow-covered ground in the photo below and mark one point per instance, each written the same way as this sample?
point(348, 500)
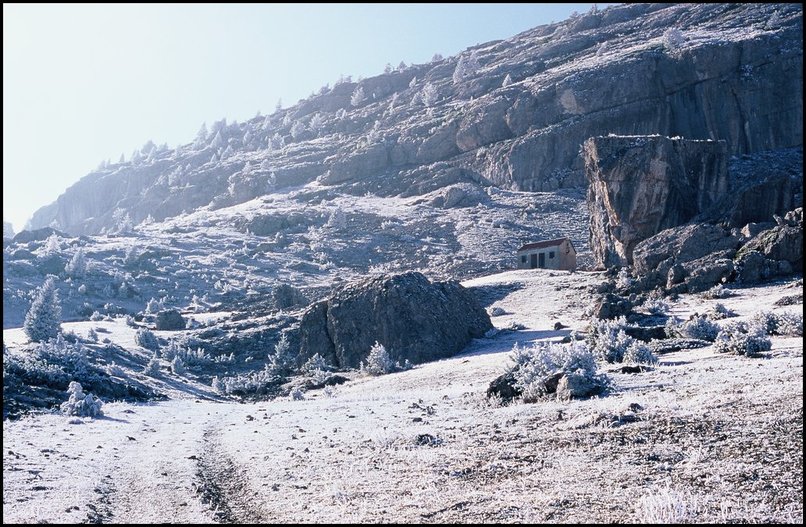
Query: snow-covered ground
point(703, 437)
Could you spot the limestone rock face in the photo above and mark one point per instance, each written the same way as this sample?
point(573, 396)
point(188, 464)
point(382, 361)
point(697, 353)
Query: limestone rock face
point(603, 72)
point(412, 317)
point(639, 186)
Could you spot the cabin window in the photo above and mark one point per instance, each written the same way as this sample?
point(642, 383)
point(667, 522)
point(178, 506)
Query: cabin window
point(523, 258)
point(551, 254)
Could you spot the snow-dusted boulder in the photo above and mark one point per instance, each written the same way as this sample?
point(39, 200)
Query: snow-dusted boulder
point(413, 318)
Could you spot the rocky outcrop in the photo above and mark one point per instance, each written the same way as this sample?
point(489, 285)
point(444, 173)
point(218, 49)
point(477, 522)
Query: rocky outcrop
point(639, 186)
point(603, 72)
point(686, 258)
point(414, 319)
point(773, 252)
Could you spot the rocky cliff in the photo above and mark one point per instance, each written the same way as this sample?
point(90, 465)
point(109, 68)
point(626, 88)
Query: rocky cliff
point(415, 320)
point(515, 120)
point(640, 185)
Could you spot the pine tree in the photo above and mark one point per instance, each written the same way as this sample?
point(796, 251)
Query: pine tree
point(77, 266)
point(43, 320)
point(467, 66)
point(430, 94)
point(358, 96)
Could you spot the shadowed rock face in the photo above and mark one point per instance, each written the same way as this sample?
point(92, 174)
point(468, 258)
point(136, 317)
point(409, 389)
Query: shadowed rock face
point(639, 186)
point(412, 317)
point(738, 78)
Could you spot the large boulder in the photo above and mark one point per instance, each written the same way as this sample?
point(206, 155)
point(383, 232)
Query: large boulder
point(641, 185)
point(414, 319)
point(169, 320)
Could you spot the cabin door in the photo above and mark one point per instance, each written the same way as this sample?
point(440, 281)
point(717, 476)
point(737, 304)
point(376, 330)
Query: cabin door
point(533, 260)
point(542, 263)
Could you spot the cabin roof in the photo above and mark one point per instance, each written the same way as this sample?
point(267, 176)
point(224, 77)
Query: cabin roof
point(544, 244)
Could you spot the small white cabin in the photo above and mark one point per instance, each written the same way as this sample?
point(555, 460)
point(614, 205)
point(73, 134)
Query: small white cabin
point(550, 254)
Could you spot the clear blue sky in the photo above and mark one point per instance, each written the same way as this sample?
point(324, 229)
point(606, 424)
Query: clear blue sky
point(84, 83)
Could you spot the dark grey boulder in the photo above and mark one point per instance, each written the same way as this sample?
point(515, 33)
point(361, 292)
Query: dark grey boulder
point(169, 320)
point(414, 319)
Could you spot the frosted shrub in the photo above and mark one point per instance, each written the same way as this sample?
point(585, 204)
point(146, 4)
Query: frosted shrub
point(170, 351)
point(113, 370)
point(80, 404)
point(92, 335)
point(624, 280)
point(96, 316)
point(225, 359)
point(69, 357)
point(296, 394)
point(177, 366)
point(254, 383)
point(192, 358)
point(673, 39)
point(535, 365)
point(699, 327)
point(153, 306)
point(146, 338)
point(785, 324)
point(720, 312)
point(607, 339)
point(718, 291)
point(315, 363)
point(656, 305)
point(282, 361)
point(378, 361)
point(639, 353)
point(152, 368)
point(742, 339)
point(789, 324)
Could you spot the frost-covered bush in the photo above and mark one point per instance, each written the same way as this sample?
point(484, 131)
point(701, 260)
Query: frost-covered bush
point(77, 266)
point(113, 370)
point(92, 335)
point(742, 339)
point(718, 291)
point(639, 353)
point(281, 363)
point(96, 316)
point(69, 357)
point(655, 304)
point(699, 327)
point(720, 312)
point(378, 361)
point(192, 358)
point(789, 324)
point(784, 324)
point(673, 39)
point(130, 321)
point(317, 362)
point(258, 382)
point(80, 404)
point(43, 320)
point(153, 306)
point(607, 339)
point(225, 359)
point(296, 394)
point(152, 368)
point(177, 366)
point(624, 280)
point(535, 365)
point(147, 339)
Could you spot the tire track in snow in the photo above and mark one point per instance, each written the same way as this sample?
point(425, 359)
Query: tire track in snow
point(224, 486)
